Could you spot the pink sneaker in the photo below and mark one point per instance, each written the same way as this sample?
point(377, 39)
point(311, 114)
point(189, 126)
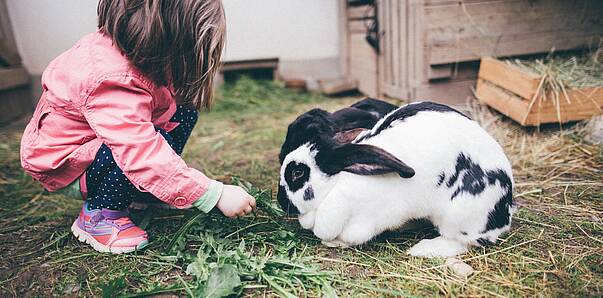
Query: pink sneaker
point(109, 231)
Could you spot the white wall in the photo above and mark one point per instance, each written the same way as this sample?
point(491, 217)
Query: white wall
point(287, 29)
point(45, 28)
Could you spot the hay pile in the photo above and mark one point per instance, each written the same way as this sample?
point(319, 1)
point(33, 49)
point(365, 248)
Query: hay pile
point(566, 71)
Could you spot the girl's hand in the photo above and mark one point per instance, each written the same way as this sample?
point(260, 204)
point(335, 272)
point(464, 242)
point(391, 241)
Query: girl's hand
point(235, 202)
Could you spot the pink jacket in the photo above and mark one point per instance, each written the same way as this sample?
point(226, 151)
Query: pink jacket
point(92, 95)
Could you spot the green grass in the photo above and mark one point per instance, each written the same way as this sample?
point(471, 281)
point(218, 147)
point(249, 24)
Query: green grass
point(554, 249)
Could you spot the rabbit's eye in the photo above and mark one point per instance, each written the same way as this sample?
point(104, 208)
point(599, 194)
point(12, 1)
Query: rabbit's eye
point(297, 174)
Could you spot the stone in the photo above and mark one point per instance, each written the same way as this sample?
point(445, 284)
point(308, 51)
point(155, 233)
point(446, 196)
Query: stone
point(594, 130)
point(459, 268)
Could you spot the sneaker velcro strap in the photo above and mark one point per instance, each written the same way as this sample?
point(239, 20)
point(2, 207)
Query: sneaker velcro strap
point(114, 214)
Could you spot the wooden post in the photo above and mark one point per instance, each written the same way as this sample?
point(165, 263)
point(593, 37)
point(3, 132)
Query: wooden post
point(344, 46)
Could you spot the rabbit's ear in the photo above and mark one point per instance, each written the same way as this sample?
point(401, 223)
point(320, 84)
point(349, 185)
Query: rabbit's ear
point(377, 107)
point(344, 137)
point(350, 118)
point(361, 159)
point(307, 127)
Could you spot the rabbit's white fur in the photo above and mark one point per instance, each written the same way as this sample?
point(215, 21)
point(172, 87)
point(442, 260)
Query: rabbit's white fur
point(350, 209)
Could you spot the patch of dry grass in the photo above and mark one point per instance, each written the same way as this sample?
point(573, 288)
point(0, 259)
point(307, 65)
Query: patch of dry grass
point(555, 247)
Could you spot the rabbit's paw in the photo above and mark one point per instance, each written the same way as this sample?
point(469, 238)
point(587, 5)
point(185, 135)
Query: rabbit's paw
point(335, 243)
point(437, 247)
point(307, 220)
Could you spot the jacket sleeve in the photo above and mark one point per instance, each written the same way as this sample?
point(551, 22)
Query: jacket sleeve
point(119, 110)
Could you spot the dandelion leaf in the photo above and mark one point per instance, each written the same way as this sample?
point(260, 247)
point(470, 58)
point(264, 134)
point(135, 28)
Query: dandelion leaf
point(223, 281)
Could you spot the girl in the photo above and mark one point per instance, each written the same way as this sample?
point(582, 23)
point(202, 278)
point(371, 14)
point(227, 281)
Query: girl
point(117, 109)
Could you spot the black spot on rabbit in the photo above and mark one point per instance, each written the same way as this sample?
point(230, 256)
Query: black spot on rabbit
point(308, 193)
point(484, 242)
point(296, 175)
point(441, 179)
point(473, 180)
point(500, 216)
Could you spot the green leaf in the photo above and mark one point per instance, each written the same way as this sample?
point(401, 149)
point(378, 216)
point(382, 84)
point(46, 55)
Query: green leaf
point(222, 282)
point(113, 287)
point(180, 234)
point(198, 268)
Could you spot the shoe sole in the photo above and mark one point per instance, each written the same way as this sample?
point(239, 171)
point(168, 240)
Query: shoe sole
point(84, 237)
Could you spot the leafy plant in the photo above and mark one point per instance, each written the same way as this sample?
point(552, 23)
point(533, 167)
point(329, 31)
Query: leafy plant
point(259, 250)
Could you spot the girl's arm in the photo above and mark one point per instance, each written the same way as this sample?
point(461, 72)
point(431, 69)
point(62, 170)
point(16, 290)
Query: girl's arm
point(119, 110)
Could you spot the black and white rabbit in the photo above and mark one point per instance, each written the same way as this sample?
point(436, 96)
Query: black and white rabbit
point(422, 160)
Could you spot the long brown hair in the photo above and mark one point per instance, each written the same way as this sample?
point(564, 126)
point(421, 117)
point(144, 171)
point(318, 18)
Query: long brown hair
point(176, 42)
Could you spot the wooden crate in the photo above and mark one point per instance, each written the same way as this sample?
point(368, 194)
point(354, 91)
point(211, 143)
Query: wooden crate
point(512, 91)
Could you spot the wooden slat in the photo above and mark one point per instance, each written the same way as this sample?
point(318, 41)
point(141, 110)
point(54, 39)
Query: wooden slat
point(546, 112)
point(357, 26)
point(586, 94)
point(15, 103)
point(360, 12)
point(6, 32)
point(508, 45)
point(439, 71)
point(8, 46)
point(395, 20)
point(453, 93)
point(510, 16)
point(363, 65)
point(250, 64)
point(395, 92)
point(362, 52)
point(344, 46)
point(11, 78)
point(403, 47)
point(393, 61)
point(463, 31)
point(417, 54)
point(586, 101)
point(512, 78)
point(386, 42)
point(8, 57)
point(339, 85)
point(502, 101)
point(454, 2)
